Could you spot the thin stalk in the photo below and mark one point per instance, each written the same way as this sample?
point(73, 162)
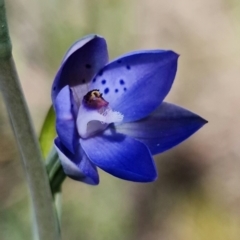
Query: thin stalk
point(55, 171)
point(56, 177)
point(58, 205)
point(51, 160)
point(41, 197)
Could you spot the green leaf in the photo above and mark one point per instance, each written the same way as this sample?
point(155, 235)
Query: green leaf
point(48, 132)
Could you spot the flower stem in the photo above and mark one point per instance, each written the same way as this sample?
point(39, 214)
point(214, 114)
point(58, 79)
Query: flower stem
point(56, 177)
point(58, 205)
point(55, 171)
point(42, 201)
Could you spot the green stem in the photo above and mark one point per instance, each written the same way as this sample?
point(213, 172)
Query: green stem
point(57, 180)
point(58, 205)
point(56, 177)
point(42, 201)
point(51, 160)
point(55, 171)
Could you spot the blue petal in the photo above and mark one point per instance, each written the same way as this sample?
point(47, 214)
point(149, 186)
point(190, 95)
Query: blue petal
point(137, 83)
point(82, 61)
point(166, 127)
point(121, 156)
point(78, 166)
point(65, 122)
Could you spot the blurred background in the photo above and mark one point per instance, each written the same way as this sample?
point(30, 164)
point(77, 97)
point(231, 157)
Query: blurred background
point(197, 194)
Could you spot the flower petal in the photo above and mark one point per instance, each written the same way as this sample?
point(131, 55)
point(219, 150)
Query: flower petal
point(78, 166)
point(82, 61)
point(166, 127)
point(65, 120)
point(135, 84)
point(121, 156)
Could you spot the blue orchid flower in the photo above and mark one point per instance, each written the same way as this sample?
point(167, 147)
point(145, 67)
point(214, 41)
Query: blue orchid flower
point(112, 115)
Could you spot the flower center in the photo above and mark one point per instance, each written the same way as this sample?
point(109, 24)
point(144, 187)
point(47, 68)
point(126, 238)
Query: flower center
point(95, 114)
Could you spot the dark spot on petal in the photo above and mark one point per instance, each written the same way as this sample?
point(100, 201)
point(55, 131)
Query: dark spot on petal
point(125, 89)
point(71, 105)
point(88, 66)
point(94, 80)
point(106, 90)
point(54, 88)
point(103, 81)
point(116, 90)
point(119, 61)
point(83, 81)
point(128, 67)
point(100, 73)
point(121, 82)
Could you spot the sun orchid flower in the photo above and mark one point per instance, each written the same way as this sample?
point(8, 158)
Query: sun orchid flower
point(112, 115)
